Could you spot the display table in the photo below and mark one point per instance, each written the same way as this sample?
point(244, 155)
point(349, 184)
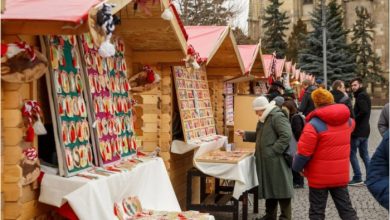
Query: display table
point(94, 199)
point(243, 173)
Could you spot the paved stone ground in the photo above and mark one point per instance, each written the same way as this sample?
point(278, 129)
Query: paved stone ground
point(364, 204)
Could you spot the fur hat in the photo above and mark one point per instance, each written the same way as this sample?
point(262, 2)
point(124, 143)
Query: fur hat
point(260, 103)
point(279, 100)
point(322, 97)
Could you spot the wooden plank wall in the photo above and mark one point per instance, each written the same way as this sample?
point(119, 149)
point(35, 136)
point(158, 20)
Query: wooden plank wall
point(216, 87)
point(20, 202)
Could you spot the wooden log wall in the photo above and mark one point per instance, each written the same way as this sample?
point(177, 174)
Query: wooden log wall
point(18, 202)
point(216, 87)
point(154, 128)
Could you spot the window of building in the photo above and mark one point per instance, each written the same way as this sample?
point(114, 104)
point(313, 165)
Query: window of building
point(306, 2)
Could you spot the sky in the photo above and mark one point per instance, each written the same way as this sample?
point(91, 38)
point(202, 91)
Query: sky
point(241, 19)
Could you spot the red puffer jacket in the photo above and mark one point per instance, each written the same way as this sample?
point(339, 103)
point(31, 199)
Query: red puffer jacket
point(324, 147)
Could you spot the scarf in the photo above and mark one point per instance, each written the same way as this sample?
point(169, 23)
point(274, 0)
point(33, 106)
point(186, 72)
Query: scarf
point(268, 109)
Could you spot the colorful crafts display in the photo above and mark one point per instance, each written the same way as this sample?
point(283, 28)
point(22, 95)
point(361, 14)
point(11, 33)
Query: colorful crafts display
point(229, 105)
point(218, 156)
point(112, 106)
point(131, 208)
point(68, 84)
point(194, 103)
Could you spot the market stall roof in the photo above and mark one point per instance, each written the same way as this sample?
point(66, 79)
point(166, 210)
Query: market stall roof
point(217, 45)
point(248, 54)
point(36, 17)
point(151, 38)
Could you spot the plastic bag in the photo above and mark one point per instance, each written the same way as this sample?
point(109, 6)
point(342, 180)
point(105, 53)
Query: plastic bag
point(39, 128)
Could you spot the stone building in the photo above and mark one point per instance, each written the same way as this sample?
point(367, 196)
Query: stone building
point(296, 9)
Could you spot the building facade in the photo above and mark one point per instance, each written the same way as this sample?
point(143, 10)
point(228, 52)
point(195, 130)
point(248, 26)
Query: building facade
point(379, 10)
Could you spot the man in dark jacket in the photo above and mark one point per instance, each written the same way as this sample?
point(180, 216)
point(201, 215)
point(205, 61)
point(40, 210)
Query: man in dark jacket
point(378, 173)
point(307, 104)
point(362, 111)
point(340, 96)
point(383, 122)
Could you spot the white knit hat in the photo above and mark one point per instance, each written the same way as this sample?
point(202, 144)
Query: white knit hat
point(260, 103)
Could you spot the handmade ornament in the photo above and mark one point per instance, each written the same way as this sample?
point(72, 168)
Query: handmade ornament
point(20, 63)
point(193, 58)
point(103, 24)
point(30, 166)
point(144, 80)
point(167, 14)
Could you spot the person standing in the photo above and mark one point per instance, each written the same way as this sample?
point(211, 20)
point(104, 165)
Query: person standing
point(276, 89)
point(323, 156)
point(383, 122)
point(307, 104)
point(378, 172)
point(362, 111)
point(297, 122)
point(340, 95)
point(272, 137)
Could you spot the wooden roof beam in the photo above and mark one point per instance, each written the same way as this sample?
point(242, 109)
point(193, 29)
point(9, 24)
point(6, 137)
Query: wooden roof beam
point(154, 57)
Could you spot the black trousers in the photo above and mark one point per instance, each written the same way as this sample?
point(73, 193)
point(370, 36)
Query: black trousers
point(271, 209)
point(340, 196)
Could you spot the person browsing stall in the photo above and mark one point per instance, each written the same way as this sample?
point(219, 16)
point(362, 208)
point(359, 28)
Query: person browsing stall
point(272, 137)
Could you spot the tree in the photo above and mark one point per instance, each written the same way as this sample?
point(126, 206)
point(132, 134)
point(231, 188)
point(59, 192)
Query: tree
point(340, 59)
point(275, 23)
point(296, 41)
point(242, 38)
point(368, 63)
point(206, 12)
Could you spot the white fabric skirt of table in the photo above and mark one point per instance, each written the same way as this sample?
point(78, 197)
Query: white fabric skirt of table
point(243, 173)
point(94, 199)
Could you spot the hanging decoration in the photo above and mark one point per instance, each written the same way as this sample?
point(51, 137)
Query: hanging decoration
point(29, 163)
point(20, 63)
point(272, 75)
point(193, 58)
point(102, 25)
point(145, 80)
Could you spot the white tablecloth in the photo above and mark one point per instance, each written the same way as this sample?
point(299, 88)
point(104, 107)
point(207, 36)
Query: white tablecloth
point(94, 199)
point(243, 173)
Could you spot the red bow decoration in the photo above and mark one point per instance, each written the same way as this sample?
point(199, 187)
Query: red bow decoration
point(150, 77)
point(14, 48)
point(30, 153)
point(31, 108)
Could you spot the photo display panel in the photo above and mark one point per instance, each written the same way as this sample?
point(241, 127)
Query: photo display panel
point(70, 110)
point(194, 103)
point(112, 104)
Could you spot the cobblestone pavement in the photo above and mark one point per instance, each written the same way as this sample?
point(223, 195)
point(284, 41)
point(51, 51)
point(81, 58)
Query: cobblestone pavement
point(364, 204)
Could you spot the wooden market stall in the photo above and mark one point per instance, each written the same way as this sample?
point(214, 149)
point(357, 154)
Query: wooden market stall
point(218, 47)
point(149, 40)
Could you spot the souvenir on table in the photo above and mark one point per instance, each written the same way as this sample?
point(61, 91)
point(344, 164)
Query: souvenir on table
point(218, 156)
point(112, 106)
point(194, 101)
point(71, 111)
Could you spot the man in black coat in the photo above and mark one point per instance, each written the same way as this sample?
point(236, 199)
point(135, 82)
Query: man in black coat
point(340, 96)
point(307, 104)
point(362, 111)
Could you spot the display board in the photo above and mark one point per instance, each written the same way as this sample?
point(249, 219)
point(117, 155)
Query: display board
point(111, 108)
point(194, 103)
point(244, 118)
point(229, 106)
point(68, 87)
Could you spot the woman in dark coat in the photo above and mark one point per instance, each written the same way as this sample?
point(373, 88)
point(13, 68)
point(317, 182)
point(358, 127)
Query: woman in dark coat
point(297, 123)
point(272, 136)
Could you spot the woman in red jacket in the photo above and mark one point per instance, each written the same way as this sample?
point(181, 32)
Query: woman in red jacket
point(323, 155)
